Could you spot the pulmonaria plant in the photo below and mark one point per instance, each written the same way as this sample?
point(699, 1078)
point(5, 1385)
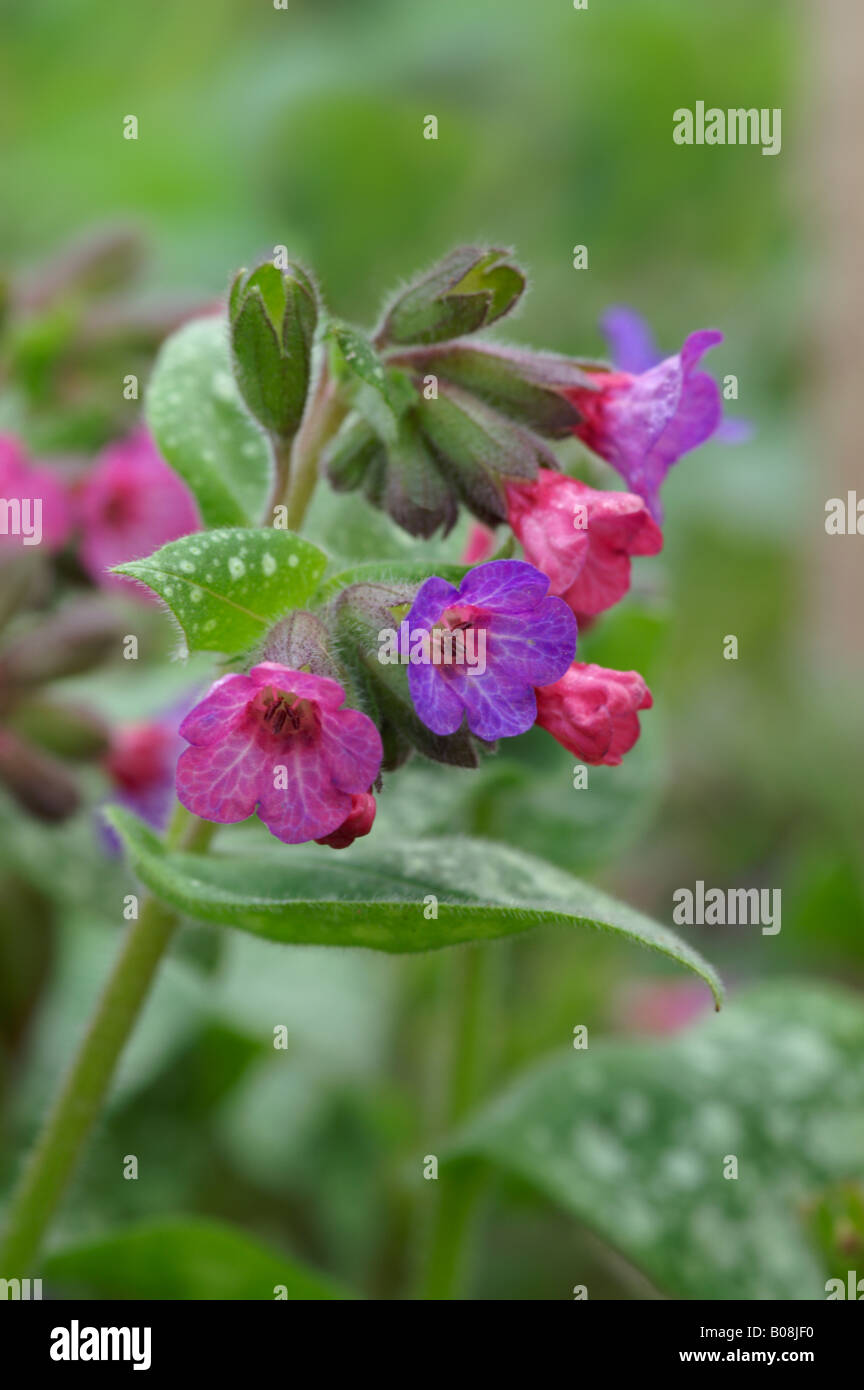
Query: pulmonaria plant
point(334, 673)
point(424, 420)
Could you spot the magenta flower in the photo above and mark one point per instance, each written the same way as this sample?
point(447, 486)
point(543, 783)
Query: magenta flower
point(141, 763)
point(277, 742)
point(130, 505)
point(660, 1007)
point(512, 635)
point(581, 538)
point(359, 821)
point(633, 349)
point(593, 712)
point(35, 505)
point(479, 544)
point(642, 424)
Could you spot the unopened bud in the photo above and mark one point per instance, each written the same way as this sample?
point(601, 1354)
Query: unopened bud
point(523, 385)
point(479, 449)
point(467, 290)
point(273, 315)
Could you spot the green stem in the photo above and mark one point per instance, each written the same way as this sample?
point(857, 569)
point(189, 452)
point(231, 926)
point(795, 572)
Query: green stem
point(52, 1163)
point(297, 462)
point(53, 1160)
point(469, 1004)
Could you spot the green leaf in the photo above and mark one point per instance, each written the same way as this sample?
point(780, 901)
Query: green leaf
point(199, 421)
point(374, 895)
point(226, 588)
point(355, 361)
point(632, 1138)
point(186, 1258)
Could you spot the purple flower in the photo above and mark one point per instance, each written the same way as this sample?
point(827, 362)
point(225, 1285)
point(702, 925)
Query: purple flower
point(511, 637)
point(642, 424)
point(633, 348)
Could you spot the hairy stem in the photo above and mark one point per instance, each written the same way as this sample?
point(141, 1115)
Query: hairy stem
point(50, 1167)
point(53, 1160)
point(458, 1186)
point(297, 462)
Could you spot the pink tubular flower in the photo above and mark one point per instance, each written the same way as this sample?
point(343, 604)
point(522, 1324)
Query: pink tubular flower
point(479, 545)
point(359, 821)
point(593, 712)
point(140, 764)
point(581, 538)
point(36, 510)
point(642, 424)
point(130, 505)
point(275, 741)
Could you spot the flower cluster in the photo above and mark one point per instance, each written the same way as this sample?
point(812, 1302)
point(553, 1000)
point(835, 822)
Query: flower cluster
point(493, 655)
point(424, 420)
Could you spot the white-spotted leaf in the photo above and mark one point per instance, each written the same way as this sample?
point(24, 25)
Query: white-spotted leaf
point(398, 897)
point(203, 429)
point(227, 587)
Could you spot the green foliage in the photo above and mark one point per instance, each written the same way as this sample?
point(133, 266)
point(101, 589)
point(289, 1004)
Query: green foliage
point(355, 363)
point(227, 587)
point(199, 421)
point(374, 895)
point(187, 1258)
point(632, 1138)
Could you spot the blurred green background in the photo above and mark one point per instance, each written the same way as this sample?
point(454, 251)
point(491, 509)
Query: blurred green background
point(303, 127)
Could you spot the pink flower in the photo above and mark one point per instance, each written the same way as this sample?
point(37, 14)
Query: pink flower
point(581, 538)
point(642, 424)
point(140, 762)
point(275, 741)
point(660, 1008)
point(358, 822)
point(130, 505)
point(592, 711)
point(36, 508)
point(479, 545)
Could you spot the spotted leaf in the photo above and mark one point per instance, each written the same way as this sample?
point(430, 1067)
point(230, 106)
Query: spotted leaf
point(227, 587)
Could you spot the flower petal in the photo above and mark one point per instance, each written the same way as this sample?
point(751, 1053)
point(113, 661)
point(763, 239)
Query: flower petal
point(223, 706)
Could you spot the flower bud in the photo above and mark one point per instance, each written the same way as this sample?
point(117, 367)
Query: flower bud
point(467, 290)
point(273, 315)
point(477, 449)
point(401, 478)
point(350, 452)
point(416, 495)
point(594, 712)
point(302, 642)
point(359, 821)
point(513, 380)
